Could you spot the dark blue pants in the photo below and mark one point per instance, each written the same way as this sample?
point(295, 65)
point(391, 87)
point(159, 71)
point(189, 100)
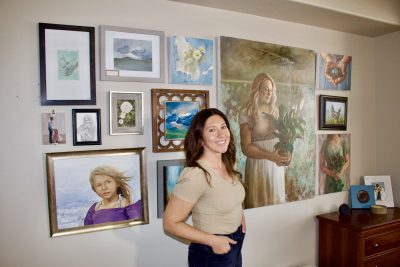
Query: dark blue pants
point(203, 255)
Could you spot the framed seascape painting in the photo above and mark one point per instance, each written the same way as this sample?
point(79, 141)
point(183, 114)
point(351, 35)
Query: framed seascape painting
point(86, 128)
point(168, 172)
point(382, 189)
point(334, 71)
point(132, 55)
point(267, 92)
point(126, 113)
point(332, 112)
point(96, 190)
point(190, 60)
point(67, 65)
point(172, 113)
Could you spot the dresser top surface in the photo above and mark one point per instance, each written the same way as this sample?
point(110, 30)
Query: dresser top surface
point(362, 218)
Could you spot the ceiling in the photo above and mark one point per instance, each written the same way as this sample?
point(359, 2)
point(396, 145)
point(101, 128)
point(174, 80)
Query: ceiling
point(370, 18)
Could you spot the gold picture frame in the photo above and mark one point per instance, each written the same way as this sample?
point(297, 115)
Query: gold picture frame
point(71, 197)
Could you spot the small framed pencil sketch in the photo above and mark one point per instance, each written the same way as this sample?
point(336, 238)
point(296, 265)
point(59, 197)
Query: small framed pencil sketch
point(362, 196)
point(86, 129)
point(126, 113)
point(67, 65)
point(131, 55)
point(190, 60)
point(76, 198)
point(382, 189)
point(172, 113)
point(168, 172)
point(332, 112)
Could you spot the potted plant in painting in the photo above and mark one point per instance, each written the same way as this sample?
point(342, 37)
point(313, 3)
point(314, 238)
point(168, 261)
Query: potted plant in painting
point(290, 126)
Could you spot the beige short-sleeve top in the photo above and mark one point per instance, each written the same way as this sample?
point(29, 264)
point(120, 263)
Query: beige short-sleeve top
point(217, 208)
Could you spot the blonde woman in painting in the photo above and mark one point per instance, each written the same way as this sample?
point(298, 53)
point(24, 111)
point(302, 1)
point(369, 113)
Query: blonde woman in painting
point(264, 172)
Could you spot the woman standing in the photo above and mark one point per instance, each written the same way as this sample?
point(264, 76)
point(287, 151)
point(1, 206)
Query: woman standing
point(210, 189)
point(264, 174)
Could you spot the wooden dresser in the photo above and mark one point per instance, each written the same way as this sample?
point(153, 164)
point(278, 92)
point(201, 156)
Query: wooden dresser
point(361, 239)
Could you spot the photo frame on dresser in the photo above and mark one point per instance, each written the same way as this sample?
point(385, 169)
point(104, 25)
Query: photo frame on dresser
point(172, 112)
point(382, 189)
point(361, 196)
point(131, 55)
point(67, 65)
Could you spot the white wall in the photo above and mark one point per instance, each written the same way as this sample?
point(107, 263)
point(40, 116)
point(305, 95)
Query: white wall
point(387, 109)
point(281, 235)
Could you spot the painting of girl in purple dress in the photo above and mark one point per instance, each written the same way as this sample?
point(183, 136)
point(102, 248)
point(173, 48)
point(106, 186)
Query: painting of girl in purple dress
point(96, 190)
point(111, 185)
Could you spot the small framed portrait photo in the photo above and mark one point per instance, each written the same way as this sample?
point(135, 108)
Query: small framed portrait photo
point(332, 112)
point(86, 127)
point(382, 189)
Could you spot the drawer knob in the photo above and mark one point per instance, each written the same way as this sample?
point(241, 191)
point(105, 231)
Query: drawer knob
point(376, 245)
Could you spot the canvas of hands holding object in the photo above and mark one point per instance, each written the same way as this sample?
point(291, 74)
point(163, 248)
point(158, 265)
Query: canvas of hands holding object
point(335, 71)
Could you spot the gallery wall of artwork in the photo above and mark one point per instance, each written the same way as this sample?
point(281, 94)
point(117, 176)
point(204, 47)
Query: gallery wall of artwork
point(297, 77)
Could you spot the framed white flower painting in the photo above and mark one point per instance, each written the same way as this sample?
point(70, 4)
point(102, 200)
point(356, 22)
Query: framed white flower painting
point(191, 60)
point(126, 113)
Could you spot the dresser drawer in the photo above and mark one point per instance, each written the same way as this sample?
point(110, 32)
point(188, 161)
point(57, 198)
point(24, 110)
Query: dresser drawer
point(382, 242)
point(388, 260)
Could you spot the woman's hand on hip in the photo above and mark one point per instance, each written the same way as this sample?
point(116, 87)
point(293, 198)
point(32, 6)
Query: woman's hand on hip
point(221, 244)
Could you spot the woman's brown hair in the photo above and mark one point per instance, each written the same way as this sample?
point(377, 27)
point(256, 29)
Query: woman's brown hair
point(194, 146)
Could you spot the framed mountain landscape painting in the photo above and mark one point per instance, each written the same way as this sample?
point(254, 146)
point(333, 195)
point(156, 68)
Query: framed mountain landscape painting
point(172, 113)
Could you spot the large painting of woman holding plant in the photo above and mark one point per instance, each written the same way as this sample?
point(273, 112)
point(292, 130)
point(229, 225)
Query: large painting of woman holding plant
point(267, 92)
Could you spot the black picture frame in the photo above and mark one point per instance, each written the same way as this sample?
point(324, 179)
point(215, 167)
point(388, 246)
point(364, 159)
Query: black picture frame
point(86, 127)
point(162, 180)
point(332, 112)
point(67, 64)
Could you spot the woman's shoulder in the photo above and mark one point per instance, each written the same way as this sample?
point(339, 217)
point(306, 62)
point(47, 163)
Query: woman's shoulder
point(192, 171)
point(193, 174)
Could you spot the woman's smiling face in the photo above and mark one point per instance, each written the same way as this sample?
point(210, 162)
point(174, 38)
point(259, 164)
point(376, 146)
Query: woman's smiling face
point(216, 135)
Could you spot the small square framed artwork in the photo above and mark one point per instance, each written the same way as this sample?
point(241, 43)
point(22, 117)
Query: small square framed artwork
point(131, 55)
point(382, 189)
point(362, 196)
point(67, 65)
point(168, 172)
point(332, 112)
point(172, 113)
point(86, 127)
point(126, 113)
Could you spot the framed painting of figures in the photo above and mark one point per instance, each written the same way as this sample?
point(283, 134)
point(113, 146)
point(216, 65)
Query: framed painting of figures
point(268, 93)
